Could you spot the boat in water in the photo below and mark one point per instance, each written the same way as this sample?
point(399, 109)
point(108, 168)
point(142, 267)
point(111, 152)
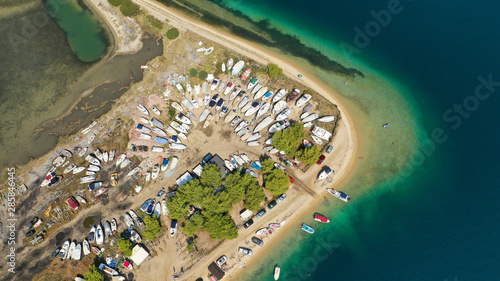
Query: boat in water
point(277, 272)
point(307, 228)
point(386, 125)
point(321, 218)
point(340, 195)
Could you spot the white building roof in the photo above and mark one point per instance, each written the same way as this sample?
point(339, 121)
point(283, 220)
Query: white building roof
point(184, 178)
point(138, 254)
point(198, 170)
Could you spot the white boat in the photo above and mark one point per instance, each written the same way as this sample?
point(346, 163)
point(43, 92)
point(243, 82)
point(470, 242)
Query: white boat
point(317, 140)
point(187, 104)
point(263, 109)
point(70, 168)
point(171, 130)
point(308, 125)
point(204, 115)
point(230, 116)
point(276, 272)
point(279, 95)
point(240, 126)
point(177, 106)
point(303, 100)
point(252, 83)
point(255, 106)
point(229, 165)
point(91, 159)
point(222, 85)
point(324, 173)
point(326, 119)
point(268, 148)
point(245, 135)
point(253, 143)
point(157, 210)
point(194, 103)
point(202, 49)
point(83, 151)
point(243, 131)
point(121, 158)
point(164, 207)
point(239, 160)
point(179, 88)
point(59, 160)
point(86, 247)
point(254, 137)
point(78, 170)
point(204, 87)
point(143, 120)
point(64, 250)
point(283, 114)
point(207, 99)
point(182, 118)
point(243, 102)
point(178, 127)
point(114, 225)
point(256, 88)
point(99, 235)
point(304, 115)
point(94, 168)
point(174, 162)
point(197, 89)
point(223, 67)
point(143, 109)
point(310, 118)
point(235, 121)
point(148, 176)
point(238, 67)
point(182, 136)
point(159, 132)
point(143, 129)
point(91, 138)
point(214, 85)
point(230, 63)
point(321, 133)
point(267, 95)
point(274, 150)
point(133, 171)
point(156, 111)
point(177, 146)
point(125, 163)
point(128, 220)
point(208, 51)
point(164, 164)
point(77, 254)
point(279, 106)
point(260, 93)
point(340, 195)
point(92, 235)
point(71, 250)
point(263, 124)
point(280, 125)
point(105, 156)
point(145, 136)
point(209, 120)
point(98, 153)
point(108, 270)
point(246, 107)
point(155, 172)
point(189, 88)
point(269, 141)
point(87, 179)
point(229, 88)
point(235, 93)
point(223, 112)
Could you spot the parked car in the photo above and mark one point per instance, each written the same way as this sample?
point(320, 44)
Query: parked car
point(29, 233)
point(272, 204)
point(329, 149)
point(292, 180)
point(261, 213)
point(257, 241)
point(321, 159)
point(245, 251)
point(281, 198)
point(222, 260)
point(160, 193)
point(248, 223)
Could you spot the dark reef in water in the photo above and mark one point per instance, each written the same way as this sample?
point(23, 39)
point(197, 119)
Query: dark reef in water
point(287, 43)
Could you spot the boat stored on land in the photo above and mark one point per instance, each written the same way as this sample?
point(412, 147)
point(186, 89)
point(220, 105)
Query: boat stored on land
point(303, 99)
point(238, 67)
point(279, 95)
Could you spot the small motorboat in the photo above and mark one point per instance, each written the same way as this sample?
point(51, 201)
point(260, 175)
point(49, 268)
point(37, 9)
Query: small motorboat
point(96, 250)
point(86, 247)
point(321, 218)
point(92, 235)
point(386, 125)
point(262, 231)
point(164, 164)
point(307, 228)
point(64, 250)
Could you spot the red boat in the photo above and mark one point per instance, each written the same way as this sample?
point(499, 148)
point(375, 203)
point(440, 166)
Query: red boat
point(245, 74)
point(321, 218)
point(127, 265)
point(96, 250)
point(72, 203)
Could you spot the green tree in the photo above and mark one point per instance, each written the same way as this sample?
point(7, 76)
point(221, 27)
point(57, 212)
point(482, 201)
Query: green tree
point(172, 33)
point(309, 155)
point(125, 246)
point(254, 196)
point(287, 140)
point(235, 185)
point(152, 228)
point(178, 207)
point(216, 204)
point(194, 192)
point(191, 226)
point(115, 3)
point(129, 9)
point(276, 182)
point(220, 226)
point(94, 274)
point(211, 176)
point(203, 75)
point(193, 72)
point(273, 70)
point(267, 165)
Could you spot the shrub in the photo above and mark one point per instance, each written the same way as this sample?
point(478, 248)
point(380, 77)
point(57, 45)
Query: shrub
point(309, 155)
point(125, 246)
point(115, 3)
point(152, 228)
point(94, 274)
point(267, 165)
point(276, 182)
point(172, 33)
point(273, 70)
point(203, 75)
point(129, 9)
point(156, 23)
point(193, 72)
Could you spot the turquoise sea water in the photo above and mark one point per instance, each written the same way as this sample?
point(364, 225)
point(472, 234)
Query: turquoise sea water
point(436, 218)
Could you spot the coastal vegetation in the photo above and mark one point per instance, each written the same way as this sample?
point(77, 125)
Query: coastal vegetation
point(156, 23)
point(125, 246)
point(288, 140)
point(267, 165)
point(127, 8)
point(172, 33)
point(254, 196)
point(152, 228)
point(202, 75)
point(276, 182)
point(94, 274)
point(273, 70)
point(193, 72)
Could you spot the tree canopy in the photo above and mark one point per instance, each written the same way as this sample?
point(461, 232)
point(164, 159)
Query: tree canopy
point(267, 165)
point(125, 246)
point(172, 33)
point(193, 72)
point(309, 155)
point(115, 3)
point(211, 176)
point(273, 70)
point(129, 9)
point(191, 226)
point(236, 184)
point(202, 75)
point(156, 23)
point(178, 207)
point(276, 182)
point(220, 226)
point(287, 140)
point(254, 196)
point(152, 228)
point(94, 274)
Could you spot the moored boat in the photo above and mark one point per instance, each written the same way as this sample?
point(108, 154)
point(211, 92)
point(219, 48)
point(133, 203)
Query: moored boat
point(339, 194)
point(307, 228)
point(321, 218)
point(277, 272)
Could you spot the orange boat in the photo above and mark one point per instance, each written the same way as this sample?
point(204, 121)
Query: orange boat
point(245, 74)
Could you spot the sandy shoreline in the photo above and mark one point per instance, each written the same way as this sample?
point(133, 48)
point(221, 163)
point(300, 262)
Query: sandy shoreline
point(346, 138)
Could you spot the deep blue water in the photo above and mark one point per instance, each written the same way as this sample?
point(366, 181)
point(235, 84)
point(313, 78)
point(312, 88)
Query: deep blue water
point(442, 222)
